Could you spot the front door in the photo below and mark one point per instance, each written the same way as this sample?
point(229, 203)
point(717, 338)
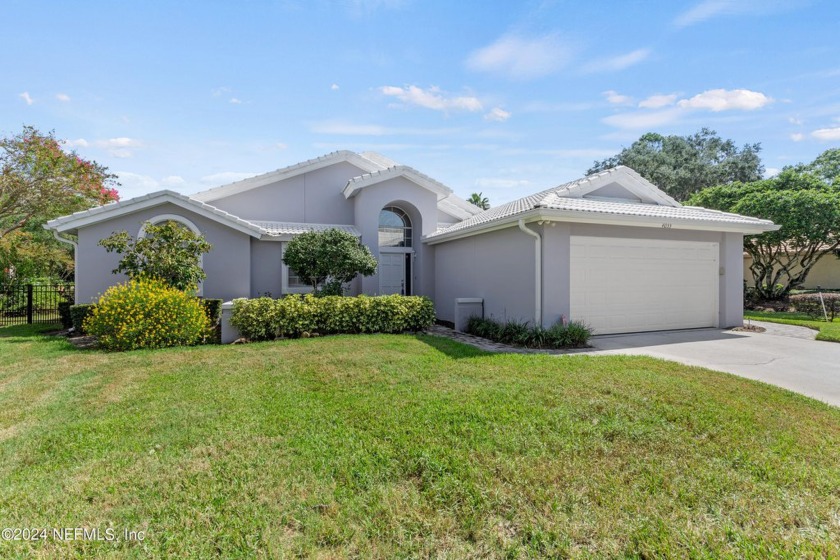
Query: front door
point(392, 273)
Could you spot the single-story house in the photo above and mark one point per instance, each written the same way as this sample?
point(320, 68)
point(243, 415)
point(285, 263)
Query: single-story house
point(609, 249)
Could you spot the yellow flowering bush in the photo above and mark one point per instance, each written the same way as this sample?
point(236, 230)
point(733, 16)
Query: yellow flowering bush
point(146, 313)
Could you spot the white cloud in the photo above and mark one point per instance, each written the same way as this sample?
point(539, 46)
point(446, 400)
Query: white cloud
point(644, 119)
point(797, 137)
point(119, 147)
point(335, 87)
point(708, 9)
point(658, 101)
point(77, 143)
point(717, 100)
point(226, 177)
point(616, 98)
point(173, 181)
point(796, 121)
point(771, 172)
point(522, 57)
point(620, 62)
point(827, 133)
point(26, 98)
point(135, 184)
point(281, 146)
point(235, 101)
point(62, 97)
point(497, 114)
point(432, 98)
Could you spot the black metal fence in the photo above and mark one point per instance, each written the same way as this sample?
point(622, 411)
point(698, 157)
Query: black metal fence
point(32, 303)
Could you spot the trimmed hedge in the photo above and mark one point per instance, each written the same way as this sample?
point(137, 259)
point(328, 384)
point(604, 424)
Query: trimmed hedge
point(811, 305)
point(575, 334)
point(78, 314)
point(213, 310)
point(294, 315)
point(64, 314)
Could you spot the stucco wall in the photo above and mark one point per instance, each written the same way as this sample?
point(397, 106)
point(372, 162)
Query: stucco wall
point(826, 273)
point(228, 264)
point(497, 266)
point(421, 206)
point(314, 197)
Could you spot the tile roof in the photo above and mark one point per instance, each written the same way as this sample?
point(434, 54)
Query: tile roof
point(276, 229)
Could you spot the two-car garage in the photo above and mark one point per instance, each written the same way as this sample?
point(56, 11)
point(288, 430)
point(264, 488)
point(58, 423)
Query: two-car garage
point(621, 285)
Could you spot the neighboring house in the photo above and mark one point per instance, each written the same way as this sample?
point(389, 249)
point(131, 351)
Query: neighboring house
point(825, 274)
point(610, 249)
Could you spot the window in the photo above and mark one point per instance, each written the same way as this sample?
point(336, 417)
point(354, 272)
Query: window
point(183, 222)
point(394, 228)
point(292, 283)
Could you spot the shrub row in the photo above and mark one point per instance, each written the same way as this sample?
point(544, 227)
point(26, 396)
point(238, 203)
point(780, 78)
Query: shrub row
point(146, 313)
point(811, 305)
point(78, 314)
point(292, 316)
point(572, 335)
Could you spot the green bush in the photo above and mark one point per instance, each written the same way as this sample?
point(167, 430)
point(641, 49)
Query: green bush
point(295, 315)
point(146, 313)
point(811, 305)
point(64, 314)
point(213, 310)
point(571, 335)
point(78, 314)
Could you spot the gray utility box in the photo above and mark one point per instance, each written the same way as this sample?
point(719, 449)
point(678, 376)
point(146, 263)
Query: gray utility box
point(465, 308)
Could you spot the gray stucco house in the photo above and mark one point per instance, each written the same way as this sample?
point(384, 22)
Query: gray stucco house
point(610, 249)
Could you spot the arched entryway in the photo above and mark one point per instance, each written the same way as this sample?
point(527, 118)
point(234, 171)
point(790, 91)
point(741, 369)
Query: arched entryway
point(396, 253)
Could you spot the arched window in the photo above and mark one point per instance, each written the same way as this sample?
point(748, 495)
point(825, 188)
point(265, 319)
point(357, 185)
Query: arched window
point(183, 222)
point(394, 227)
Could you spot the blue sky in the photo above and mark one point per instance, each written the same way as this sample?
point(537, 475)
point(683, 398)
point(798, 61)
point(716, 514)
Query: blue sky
point(507, 98)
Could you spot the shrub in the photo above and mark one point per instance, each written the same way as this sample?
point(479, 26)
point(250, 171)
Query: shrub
point(294, 315)
point(572, 335)
point(64, 314)
point(146, 313)
point(811, 305)
point(213, 310)
point(78, 314)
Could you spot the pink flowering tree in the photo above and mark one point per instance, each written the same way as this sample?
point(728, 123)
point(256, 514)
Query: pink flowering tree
point(40, 180)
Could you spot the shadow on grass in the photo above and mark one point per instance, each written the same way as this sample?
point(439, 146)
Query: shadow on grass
point(28, 331)
point(451, 348)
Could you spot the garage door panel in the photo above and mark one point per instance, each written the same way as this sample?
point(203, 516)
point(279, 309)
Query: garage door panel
point(631, 285)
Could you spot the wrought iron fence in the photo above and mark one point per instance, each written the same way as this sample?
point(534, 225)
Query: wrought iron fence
point(32, 303)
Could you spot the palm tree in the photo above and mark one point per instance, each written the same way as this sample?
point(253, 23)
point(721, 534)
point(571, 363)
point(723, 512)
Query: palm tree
point(478, 199)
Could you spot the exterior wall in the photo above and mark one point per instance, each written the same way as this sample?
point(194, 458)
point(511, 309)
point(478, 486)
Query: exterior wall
point(825, 274)
point(421, 206)
point(497, 266)
point(228, 264)
point(314, 197)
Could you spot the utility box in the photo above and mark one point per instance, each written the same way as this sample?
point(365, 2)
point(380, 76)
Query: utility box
point(466, 308)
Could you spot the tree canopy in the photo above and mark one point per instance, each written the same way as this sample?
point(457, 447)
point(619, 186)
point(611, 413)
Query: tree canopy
point(805, 206)
point(40, 181)
point(478, 199)
point(682, 165)
point(826, 166)
point(167, 251)
point(326, 260)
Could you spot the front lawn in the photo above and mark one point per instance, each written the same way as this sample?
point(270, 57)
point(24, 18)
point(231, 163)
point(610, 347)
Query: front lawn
point(400, 446)
point(829, 331)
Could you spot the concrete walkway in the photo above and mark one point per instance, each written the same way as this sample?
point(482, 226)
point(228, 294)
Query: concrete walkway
point(784, 355)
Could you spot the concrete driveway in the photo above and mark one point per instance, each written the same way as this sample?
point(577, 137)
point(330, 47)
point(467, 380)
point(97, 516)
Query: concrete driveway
point(784, 356)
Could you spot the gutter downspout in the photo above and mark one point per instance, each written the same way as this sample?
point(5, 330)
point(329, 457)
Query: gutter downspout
point(75, 251)
point(537, 271)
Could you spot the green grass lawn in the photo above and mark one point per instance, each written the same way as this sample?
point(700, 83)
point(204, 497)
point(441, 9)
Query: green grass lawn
point(402, 446)
point(827, 331)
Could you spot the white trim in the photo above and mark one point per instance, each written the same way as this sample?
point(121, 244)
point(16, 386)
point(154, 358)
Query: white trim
point(537, 271)
point(357, 183)
point(284, 277)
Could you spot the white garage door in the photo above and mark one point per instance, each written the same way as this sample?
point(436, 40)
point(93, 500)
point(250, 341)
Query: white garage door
point(632, 285)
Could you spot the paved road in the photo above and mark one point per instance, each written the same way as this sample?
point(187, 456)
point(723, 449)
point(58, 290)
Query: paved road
point(784, 356)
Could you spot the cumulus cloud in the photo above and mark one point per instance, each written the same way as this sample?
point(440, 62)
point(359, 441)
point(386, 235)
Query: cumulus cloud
point(77, 143)
point(335, 87)
point(658, 101)
point(497, 114)
point(26, 98)
point(522, 57)
point(717, 100)
point(771, 172)
point(616, 63)
point(235, 101)
point(119, 147)
point(827, 133)
point(432, 98)
point(797, 137)
point(172, 181)
point(135, 184)
point(62, 97)
point(616, 98)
